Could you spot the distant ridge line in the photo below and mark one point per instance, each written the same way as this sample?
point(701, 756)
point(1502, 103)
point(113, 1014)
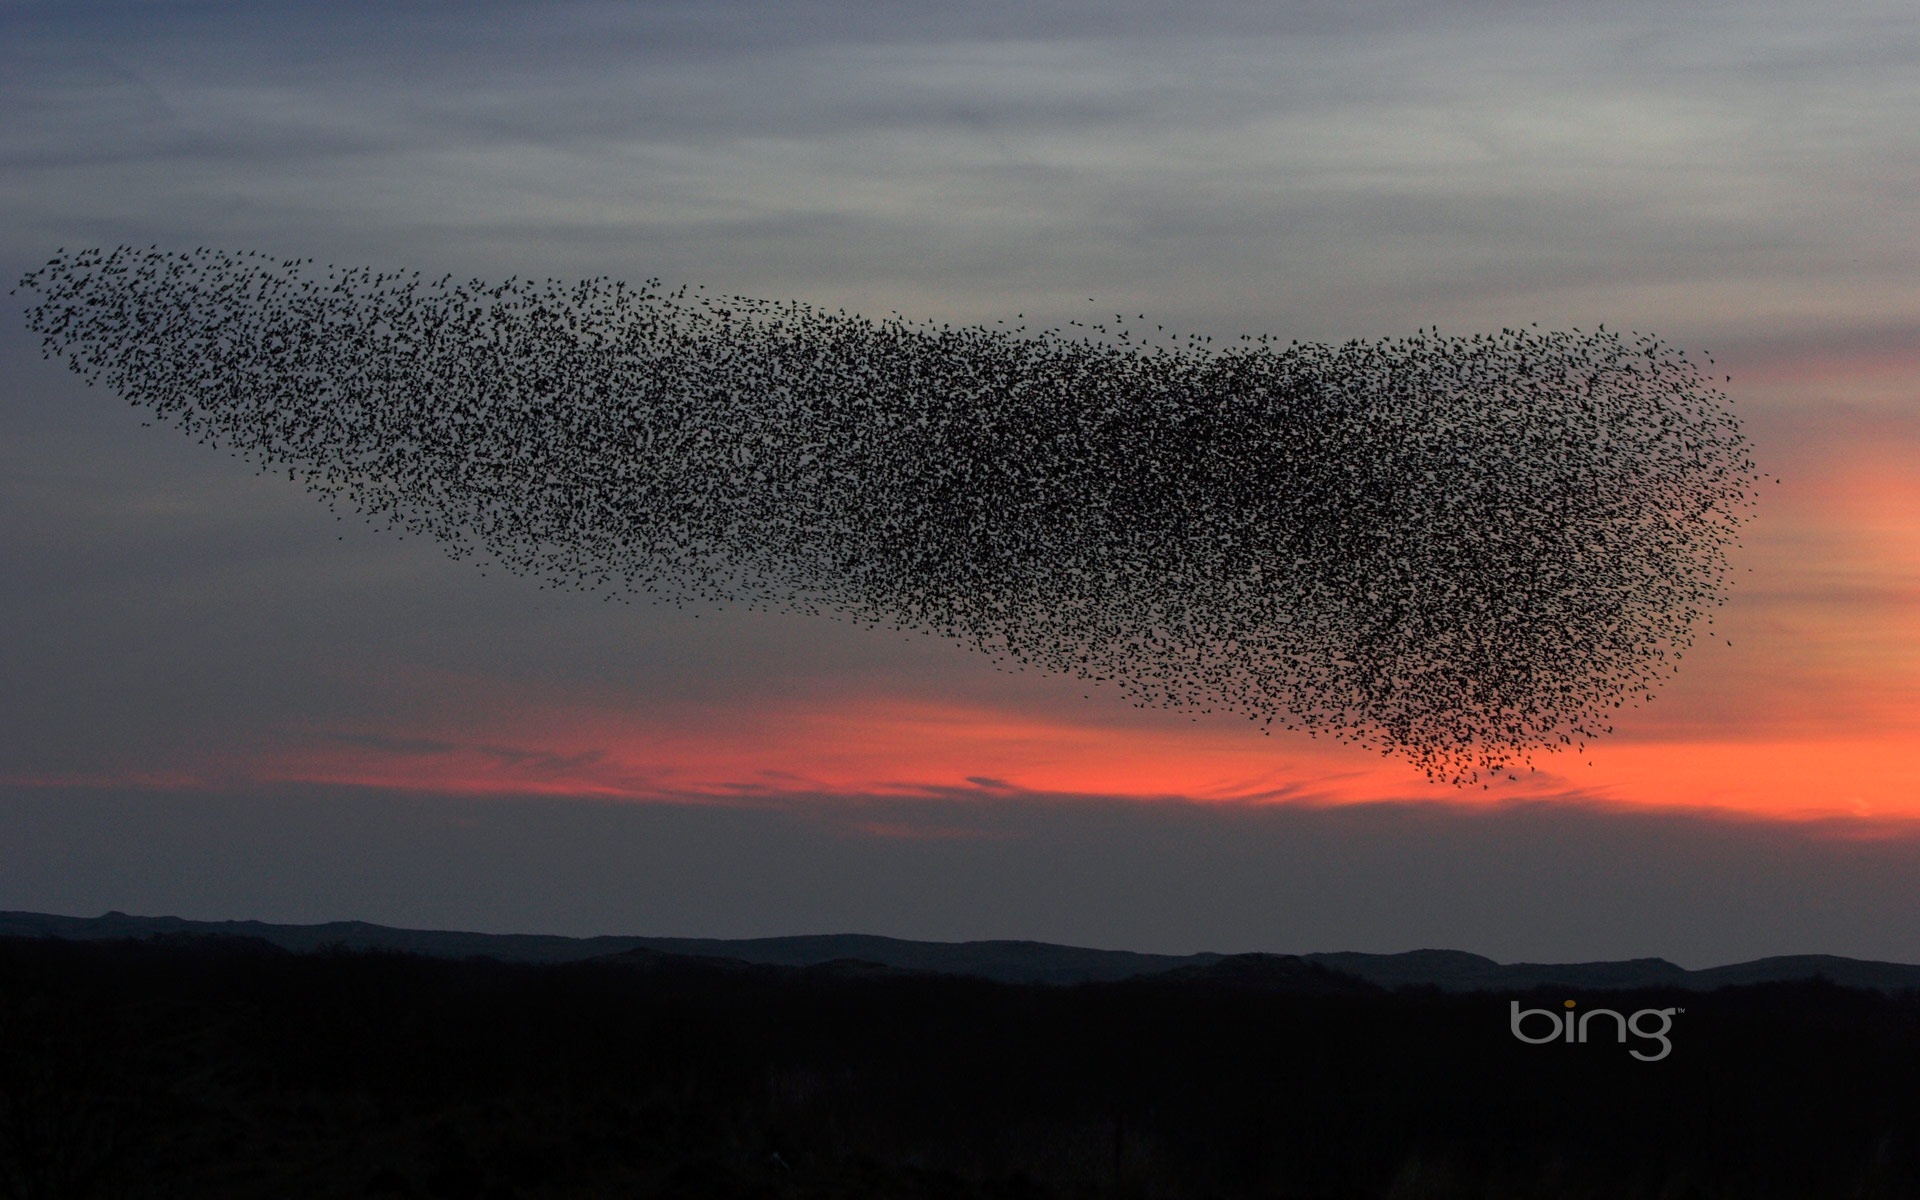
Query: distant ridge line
point(1004, 961)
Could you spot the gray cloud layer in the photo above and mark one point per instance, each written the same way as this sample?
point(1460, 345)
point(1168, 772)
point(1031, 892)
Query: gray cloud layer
point(1312, 170)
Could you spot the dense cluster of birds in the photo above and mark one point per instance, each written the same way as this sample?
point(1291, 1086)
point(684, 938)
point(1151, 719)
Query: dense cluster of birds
point(1461, 549)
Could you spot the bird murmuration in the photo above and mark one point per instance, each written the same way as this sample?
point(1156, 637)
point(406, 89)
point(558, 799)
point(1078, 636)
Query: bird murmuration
point(1459, 549)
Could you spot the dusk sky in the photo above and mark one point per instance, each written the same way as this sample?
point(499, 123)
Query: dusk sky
point(221, 702)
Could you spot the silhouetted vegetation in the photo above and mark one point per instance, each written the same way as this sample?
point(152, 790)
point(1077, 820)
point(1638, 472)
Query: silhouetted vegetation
point(211, 1067)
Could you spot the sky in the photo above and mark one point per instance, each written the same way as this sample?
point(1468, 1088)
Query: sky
point(222, 702)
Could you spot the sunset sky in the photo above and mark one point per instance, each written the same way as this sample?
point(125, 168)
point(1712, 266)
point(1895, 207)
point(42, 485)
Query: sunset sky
point(222, 702)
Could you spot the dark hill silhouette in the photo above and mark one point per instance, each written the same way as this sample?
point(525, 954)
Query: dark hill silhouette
point(1849, 972)
point(1006, 961)
point(1455, 970)
point(1264, 973)
point(1003, 961)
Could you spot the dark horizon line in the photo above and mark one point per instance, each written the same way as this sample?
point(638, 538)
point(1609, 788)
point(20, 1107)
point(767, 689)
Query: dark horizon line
point(1006, 960)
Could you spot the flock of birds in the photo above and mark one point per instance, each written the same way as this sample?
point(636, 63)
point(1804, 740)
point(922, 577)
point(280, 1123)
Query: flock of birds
point(1460, 549)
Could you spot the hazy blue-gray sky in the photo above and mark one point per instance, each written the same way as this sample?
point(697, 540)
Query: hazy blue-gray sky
point(220, 702)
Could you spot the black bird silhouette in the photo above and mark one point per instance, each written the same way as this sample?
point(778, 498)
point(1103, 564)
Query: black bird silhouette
point(1462, 550)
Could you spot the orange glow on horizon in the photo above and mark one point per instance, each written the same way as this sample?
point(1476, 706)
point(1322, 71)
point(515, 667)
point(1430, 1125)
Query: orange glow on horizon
point(816, 753)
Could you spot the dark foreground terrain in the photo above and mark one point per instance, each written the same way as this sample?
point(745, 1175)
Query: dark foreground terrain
point(1004, 961)
point(194, 1066)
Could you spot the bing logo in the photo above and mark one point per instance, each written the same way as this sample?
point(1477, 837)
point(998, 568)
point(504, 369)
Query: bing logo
point(1573, 1027)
